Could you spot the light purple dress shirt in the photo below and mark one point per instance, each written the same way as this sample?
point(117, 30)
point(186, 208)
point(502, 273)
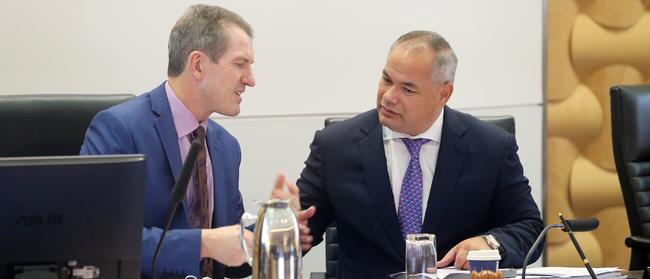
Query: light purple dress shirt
point(185, 123)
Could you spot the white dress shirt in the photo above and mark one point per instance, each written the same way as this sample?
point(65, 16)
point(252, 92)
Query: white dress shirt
point(398, 157)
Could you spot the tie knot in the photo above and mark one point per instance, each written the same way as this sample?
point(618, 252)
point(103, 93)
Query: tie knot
point(199, 133)
point(414, 145)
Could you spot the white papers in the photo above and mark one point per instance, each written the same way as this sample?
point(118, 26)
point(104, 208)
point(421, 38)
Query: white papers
point(551, 273)
point(540, 273)
point(571, 272)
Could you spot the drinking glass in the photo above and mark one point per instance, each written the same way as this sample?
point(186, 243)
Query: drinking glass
point(421, 256)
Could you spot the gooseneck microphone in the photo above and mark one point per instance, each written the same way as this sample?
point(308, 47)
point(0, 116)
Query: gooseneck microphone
point(568, 226)
point(535, 244)
point(577, 245)
point(178, 193)
point(579, 225)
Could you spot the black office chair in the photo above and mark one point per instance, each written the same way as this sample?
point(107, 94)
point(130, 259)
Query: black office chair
point(631, 141)
point(331, 237)
point(49, 124)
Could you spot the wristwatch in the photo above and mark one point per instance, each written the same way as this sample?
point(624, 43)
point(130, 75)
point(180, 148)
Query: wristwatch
point(492, 242)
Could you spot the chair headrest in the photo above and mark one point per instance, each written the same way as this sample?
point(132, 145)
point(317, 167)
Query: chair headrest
point(49, 124)
point(631, 120)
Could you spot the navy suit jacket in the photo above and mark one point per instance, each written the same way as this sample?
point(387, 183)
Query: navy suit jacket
point(478, 188)
point(145, 125)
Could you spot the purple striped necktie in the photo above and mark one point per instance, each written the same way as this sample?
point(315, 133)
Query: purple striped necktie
point(410, 197)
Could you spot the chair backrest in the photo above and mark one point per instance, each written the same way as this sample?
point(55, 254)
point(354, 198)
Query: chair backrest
point(631, 142)
point(506, 122)
point(49, 124)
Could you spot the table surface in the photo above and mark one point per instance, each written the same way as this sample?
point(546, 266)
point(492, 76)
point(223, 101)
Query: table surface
point(633, 274)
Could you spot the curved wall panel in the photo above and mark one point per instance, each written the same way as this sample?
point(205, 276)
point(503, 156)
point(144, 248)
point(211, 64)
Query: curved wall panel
point(591, 45)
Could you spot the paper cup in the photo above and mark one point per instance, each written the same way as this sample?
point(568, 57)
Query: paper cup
point(483, 260)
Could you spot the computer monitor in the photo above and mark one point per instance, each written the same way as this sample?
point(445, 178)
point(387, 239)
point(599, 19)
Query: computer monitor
point(71, 214)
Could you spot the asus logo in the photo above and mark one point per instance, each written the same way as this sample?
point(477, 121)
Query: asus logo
point(39, 220)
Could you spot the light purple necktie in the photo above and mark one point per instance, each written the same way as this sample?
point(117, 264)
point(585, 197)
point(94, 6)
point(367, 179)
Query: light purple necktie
point(410, 197)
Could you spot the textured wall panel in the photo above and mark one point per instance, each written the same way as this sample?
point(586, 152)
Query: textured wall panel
point(566, 254)
point(560, 154)
point(563, 15)
point(577, 117)
point(591, 188)
point(592, 45)
point(612, 234)
point(616, 14)
point(599, 150)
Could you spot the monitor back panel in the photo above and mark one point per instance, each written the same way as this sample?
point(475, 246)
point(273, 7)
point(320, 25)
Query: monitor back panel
point(65, 209)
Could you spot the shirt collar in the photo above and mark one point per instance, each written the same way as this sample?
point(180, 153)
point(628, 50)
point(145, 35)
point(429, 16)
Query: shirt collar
point(184, 120)
point(434, 133)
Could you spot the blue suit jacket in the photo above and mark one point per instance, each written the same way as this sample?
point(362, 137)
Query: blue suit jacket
point(145, 125)
point(478, 188)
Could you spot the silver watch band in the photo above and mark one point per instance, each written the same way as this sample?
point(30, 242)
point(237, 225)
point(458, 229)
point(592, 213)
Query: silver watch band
point(491, 241)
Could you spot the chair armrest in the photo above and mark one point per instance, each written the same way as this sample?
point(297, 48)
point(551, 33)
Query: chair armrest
point(637, 242)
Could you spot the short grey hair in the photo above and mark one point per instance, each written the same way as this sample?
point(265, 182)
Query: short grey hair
point(201, 28)
point(444, 68)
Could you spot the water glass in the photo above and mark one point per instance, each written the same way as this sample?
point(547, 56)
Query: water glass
point(421, 256)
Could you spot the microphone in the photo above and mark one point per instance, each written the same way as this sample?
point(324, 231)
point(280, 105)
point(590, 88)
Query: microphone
point(577, 245)
point(568, 226)
point(178, 193)
point(580, 225)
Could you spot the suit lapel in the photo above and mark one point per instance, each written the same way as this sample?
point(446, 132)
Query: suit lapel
point(451, 156)
point(166, 131)
point(215, 148)
point(375, 170)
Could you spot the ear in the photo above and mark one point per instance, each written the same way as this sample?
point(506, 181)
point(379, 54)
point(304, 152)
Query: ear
point(446, 91)
point(194, 64)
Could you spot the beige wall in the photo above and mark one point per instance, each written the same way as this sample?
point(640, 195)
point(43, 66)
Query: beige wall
point(591, 45)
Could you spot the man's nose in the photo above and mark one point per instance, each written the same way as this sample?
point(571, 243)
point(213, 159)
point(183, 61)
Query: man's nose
point(249, 79)
point(390, 95)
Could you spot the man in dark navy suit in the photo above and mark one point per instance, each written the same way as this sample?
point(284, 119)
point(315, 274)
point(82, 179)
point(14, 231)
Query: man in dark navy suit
point(415, 165)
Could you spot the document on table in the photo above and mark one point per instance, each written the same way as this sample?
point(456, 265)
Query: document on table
point(537, 272)
point(571, 272)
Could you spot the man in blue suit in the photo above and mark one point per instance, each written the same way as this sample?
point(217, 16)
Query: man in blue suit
point(210, 58)
point(415, 165)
